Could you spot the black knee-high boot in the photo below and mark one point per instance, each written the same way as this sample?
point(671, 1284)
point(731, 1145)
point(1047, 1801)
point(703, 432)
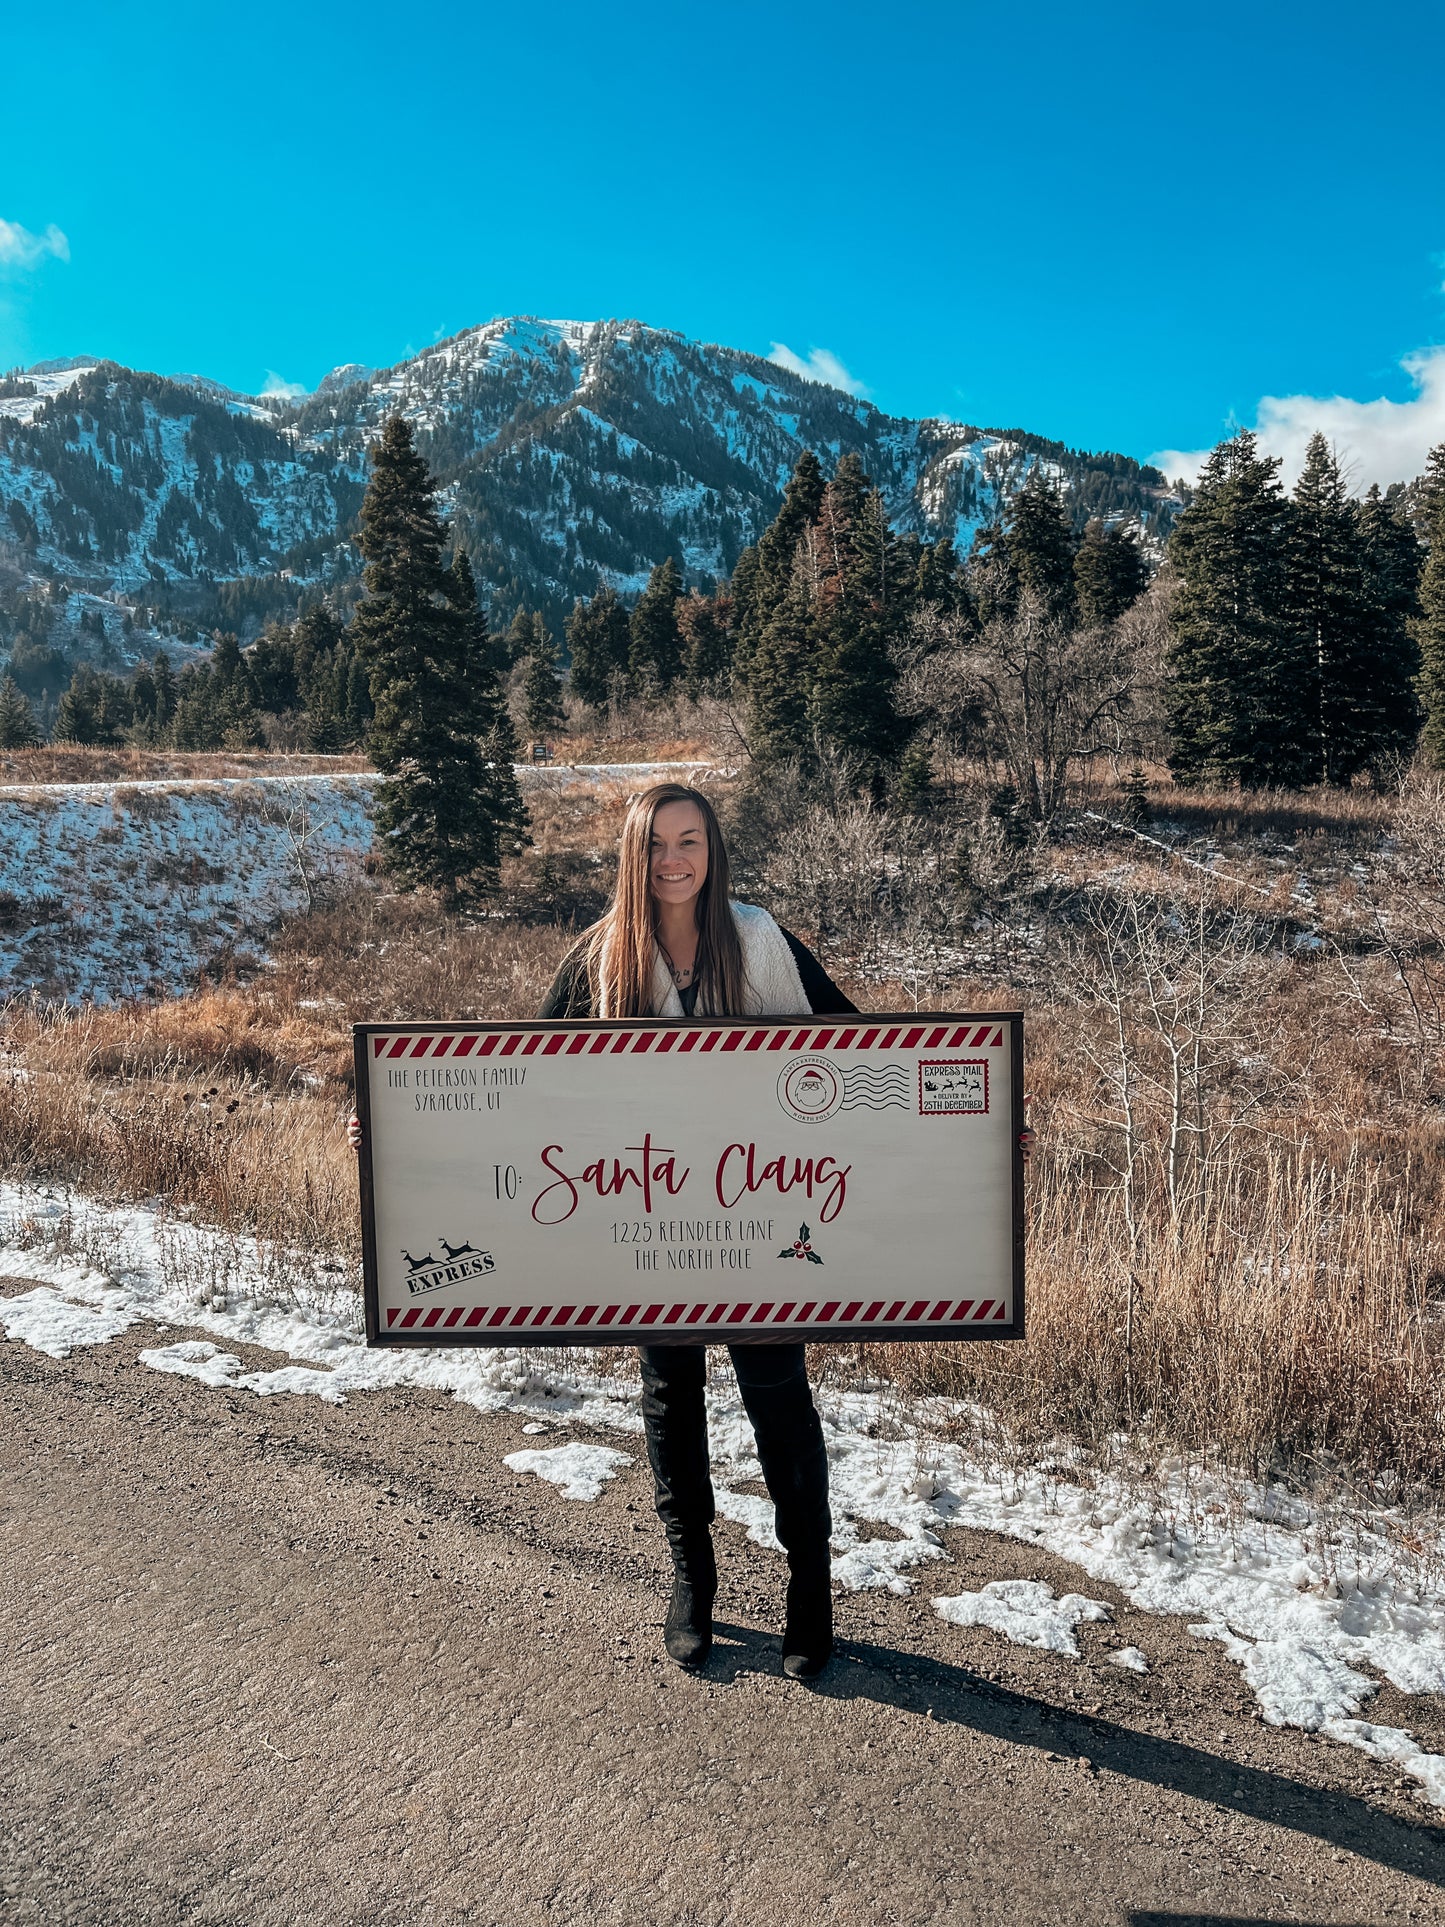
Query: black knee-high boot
point(675, 1422)
point(773, 1380)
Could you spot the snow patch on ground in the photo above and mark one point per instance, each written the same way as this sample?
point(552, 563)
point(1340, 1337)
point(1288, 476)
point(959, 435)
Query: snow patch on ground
point(1025, 1611)
point(48, 1323)
point(580, 1470)
point(1313, 1619)
point(197, 1358)
point(1130, 1658)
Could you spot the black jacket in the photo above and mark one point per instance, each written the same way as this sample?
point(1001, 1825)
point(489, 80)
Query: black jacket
point(571, 995)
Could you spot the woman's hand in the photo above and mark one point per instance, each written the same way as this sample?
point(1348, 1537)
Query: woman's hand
point(1028, 1137)
point(354, 1132)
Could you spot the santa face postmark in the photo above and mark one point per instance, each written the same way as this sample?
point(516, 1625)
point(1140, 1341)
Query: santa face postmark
point(958, 1088)
point(809, 1089)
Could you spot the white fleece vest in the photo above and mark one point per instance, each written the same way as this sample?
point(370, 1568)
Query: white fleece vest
point(773, 987)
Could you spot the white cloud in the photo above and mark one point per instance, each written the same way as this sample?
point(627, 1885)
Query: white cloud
point(19, 248)
point(1377, 441)
point(820, 365)
point(283, 390)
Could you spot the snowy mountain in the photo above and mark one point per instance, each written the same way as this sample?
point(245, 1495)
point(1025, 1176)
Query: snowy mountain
point(571, 453)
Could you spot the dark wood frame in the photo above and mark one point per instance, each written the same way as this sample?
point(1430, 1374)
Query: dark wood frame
point(508, 1338)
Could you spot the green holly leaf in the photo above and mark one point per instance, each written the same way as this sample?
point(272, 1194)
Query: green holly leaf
point(787, 1252)
point(804, 1233)
point(812, 1257)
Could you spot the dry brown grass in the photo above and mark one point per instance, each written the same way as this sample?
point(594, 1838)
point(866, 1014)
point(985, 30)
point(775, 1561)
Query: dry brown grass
point(1281, 1309)
point(70, 763)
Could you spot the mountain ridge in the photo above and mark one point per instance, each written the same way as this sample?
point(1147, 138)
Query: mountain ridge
point(569, 454)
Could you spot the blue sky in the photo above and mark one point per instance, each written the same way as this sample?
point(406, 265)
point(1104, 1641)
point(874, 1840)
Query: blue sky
point(1120, 226)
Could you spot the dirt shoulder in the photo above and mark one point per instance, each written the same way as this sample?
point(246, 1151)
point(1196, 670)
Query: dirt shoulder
point(271, 1661)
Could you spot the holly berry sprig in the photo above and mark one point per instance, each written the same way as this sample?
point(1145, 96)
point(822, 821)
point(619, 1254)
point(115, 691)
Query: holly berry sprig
point(801, 1247)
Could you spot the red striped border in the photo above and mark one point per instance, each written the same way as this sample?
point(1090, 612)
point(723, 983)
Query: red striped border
point(640, 1317)
point(575, 1043)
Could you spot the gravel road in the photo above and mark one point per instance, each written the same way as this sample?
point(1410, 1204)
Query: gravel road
point(271, 1662)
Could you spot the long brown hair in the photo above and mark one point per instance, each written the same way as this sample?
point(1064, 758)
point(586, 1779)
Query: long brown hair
point(621, 947)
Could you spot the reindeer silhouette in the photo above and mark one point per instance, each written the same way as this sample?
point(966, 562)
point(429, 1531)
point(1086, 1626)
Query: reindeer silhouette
point(417, 1264)
point(456, 1251)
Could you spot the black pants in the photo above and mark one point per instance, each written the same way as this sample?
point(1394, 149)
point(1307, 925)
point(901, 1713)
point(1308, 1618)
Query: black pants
point(773, 1380)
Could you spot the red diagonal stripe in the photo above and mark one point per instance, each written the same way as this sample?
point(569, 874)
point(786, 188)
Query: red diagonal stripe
point(885, 1042)
point(850, 1312)
point(499, 1316)
point(737, 1314)
point(696, 1313)
point(579, 1042)
point(760, 1314)
point(865, 1042)
point(667, 1039)
point(620, 1042)
point(584, 1317)
point(917, 1309)
point(716, 1313)
point(733, 1039)
point(965, 1306)
point(689, 1041)
point(912, 1038)
point(391, 1314)
point(805, 1312)
point(431, 1318)
point(421, 1046)
point(710, 1042)
point(755, 1040)
point(872, 1311)
point(543, 1313)
point(444, 1044)
point(521, 1314)
point(643, 1040)
point(609, 1313)
point(1001, 1309)
point(489, 1043)
point(564, 1312)
point(822, 1039)
point(554, 1043)
point(397, 1048)
point(985, 1307)
point(782, 1314)
point(410, 1317)
point(674, 1312)
point(777, 1040)
point(378, 1046)
point(454, 1315)
point(512, 1044)
point(940, 1310)
point(845, 1038)
point(467, 1045)
point(827, 1311)
point(894, 1310)
point(628, 1315)
point(532, 1043)
point(600, 1042)
point(652, 1314)
point(936, 1037)
point(476, 1316)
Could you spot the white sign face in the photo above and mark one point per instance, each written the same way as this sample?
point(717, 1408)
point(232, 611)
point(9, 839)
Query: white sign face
point(719, 1181)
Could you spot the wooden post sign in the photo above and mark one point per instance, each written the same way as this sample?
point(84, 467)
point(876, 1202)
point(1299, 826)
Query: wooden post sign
point(715, 1181)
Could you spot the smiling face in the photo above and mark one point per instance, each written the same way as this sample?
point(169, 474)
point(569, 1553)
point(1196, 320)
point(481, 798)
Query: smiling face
point(677, 859)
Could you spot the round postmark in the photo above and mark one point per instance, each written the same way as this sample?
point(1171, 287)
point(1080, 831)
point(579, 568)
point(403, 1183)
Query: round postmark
point(809, 1089)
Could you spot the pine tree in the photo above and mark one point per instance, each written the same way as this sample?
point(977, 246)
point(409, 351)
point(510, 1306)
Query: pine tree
point(764, 574)
point(914, 791)
point(705, 624)
point(1241, 695)
point(491, 716)
point(1430, 627)
point(655, 641)
point(598, 643)
point(1109, 574)
point(75, 715)
point(1388, 698)
point(858, 617)
point(1138, 811)
point(434, 809)
point(1027, 565)
point(18, 728)
point(541, 691)
point(164, 678)
point(1352, 589)
point(781, 674)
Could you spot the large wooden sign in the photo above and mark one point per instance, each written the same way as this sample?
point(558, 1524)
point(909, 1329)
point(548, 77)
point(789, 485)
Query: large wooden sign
point(719, 1181)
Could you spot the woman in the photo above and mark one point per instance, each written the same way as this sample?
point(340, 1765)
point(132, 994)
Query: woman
point(674, 944)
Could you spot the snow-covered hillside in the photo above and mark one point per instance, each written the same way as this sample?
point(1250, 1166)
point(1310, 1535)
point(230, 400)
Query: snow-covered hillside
point(571, 452)
point(116, 889)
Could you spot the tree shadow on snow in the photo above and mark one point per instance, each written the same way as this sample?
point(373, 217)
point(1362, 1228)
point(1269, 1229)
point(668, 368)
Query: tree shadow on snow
point(915, 1684)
